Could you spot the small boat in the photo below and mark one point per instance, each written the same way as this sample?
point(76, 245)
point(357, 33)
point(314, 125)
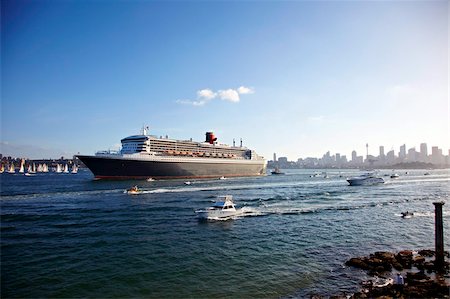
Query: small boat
point(187, 183)
point(407, 214)
point(134, 190)
point(74, 169)
point(394, 176)
point(150, 180)
point(222, 178)
point(366, 179)
point(66, 168)
point(22, 166)
point(222, 209)
point(12, 169)
point(276, 171)
point(426, 173)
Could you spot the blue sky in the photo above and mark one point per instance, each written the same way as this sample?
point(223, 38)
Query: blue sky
point(77, 76)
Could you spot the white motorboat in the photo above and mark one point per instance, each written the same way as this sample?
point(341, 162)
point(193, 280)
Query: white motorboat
point(222, 209)
point(394, 176)
point(366, 179)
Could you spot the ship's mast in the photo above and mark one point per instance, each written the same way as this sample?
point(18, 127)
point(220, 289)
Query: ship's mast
point(145, 130)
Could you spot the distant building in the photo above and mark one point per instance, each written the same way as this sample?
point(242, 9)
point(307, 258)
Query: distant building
point(381, 151)
point(423, 152)
point(283, 160)
point(402, 153)
point(274, 157)
point(354, 156)
point(436, 155)
point(412, 155)
point(390, 157)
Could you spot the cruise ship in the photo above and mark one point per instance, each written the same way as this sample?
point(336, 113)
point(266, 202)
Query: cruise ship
point(146, 156)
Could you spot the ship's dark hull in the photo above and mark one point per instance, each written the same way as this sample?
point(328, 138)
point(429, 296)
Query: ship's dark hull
point(118, 168)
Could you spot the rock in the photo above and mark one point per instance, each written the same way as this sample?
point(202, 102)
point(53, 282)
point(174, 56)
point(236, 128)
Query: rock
point(385, 256)
point(358, 262)
point(426, 252)
point(405, 258)
point(418, 260)
point(429, 266)
point(412, 278)
point(397, 266)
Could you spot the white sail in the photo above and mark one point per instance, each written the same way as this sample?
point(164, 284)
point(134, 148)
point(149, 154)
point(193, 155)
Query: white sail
point(22, 166)
point(2, 168)
point(58, 168)
point(45, 168)
point(66, 168)
point(12, 169)
point(74, 169)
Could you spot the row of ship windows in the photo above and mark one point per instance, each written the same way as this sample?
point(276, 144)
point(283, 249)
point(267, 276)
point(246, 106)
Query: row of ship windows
point(178, 148)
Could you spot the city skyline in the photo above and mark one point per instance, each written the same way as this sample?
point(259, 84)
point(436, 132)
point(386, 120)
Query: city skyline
point(296, 78)
point(436, 156)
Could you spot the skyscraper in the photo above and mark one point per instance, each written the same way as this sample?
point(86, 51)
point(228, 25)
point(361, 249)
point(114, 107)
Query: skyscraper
point(381, 151)
point(423, 152)
point(402, 153)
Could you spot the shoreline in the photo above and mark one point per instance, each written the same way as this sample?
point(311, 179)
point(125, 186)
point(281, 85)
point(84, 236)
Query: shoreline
point(421, 280)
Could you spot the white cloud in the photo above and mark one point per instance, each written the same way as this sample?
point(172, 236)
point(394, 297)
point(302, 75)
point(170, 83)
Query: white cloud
point(206, 95)
point(229, 95)
point(245, 90)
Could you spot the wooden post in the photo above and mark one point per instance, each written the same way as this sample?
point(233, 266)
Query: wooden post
point(439, 236)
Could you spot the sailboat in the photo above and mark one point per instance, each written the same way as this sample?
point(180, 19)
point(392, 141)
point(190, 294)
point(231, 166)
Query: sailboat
point(66, 168)
point(22, 166)
point(74, 169)
point(31, 169)
point(11, 168)
point(58, 168)
point(44, 167)
point(2, 168)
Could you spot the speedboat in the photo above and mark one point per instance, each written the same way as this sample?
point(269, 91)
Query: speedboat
point(276, 171)
point(222, 209)
point(366, 179)
point(394, 176)
point(407, 214)
point(134, 190)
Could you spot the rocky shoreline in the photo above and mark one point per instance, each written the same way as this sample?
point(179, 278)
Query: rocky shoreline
point(421, 280)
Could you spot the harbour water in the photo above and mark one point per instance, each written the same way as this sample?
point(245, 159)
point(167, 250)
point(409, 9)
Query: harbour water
point(65, 235)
